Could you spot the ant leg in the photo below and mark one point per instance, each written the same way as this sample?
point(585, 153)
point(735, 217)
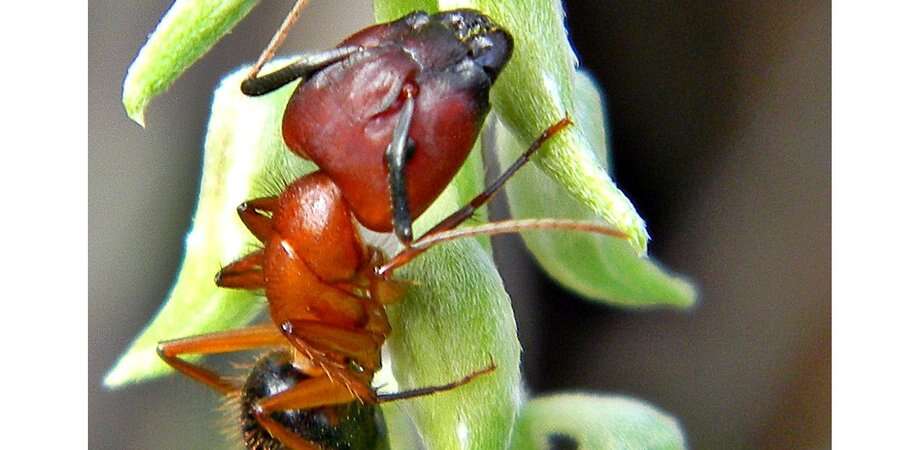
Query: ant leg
point(361, 346)
point(251, 213)
point(423, 391)
point(284, 436)
point(319, 392)
point(307, 394)
point(514, 226)
point(396, 155)
point(303, 67)
point(245, 273)
point(335, 370)
point(208, 344)
point(462, 214)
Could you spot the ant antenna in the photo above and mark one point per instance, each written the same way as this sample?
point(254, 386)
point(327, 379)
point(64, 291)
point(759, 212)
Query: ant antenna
point(515, 226)
point(278, 38)
point(446, 230)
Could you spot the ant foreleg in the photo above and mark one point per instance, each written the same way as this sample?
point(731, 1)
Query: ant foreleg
point(245, 273)
point(396, 155)
point(213, 343)
point(304, 67)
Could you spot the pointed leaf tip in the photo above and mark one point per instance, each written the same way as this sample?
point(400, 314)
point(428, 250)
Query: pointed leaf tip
point(187, 31)
point(597, 267)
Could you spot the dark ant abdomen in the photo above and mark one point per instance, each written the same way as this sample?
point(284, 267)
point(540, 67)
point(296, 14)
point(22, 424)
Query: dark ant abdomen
point(351, 426)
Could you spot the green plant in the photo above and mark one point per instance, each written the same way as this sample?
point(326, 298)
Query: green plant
point(459, 296)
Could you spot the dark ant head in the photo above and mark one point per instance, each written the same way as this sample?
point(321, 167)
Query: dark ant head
point(344, 427)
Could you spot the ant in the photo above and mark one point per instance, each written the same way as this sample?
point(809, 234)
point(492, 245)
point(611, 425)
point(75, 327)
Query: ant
point(389, 117)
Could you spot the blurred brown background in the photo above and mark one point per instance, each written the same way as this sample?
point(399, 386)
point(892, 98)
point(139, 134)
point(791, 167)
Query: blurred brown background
point(720, 121)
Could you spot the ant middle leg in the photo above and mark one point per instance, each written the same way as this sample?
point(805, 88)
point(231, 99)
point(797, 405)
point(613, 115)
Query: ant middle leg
point(208, 344)
point(307, 394)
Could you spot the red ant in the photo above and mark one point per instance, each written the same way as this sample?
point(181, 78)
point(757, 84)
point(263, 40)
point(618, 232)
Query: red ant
point(413, 92)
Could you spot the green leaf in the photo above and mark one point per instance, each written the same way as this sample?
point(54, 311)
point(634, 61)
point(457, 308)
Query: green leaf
point(535, 90)
point(244, 158)
point(597, 267)
point(187, 31)
point(596, 423)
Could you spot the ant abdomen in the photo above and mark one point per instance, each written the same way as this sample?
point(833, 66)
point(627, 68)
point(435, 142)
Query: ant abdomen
point(348, 426)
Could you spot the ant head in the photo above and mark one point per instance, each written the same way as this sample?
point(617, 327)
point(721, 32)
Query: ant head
point(348, 426)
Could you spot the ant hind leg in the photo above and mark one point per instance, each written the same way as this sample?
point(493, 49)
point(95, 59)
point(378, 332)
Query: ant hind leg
point(307, 394)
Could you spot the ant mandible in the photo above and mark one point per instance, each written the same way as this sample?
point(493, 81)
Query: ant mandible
point(419, 83)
